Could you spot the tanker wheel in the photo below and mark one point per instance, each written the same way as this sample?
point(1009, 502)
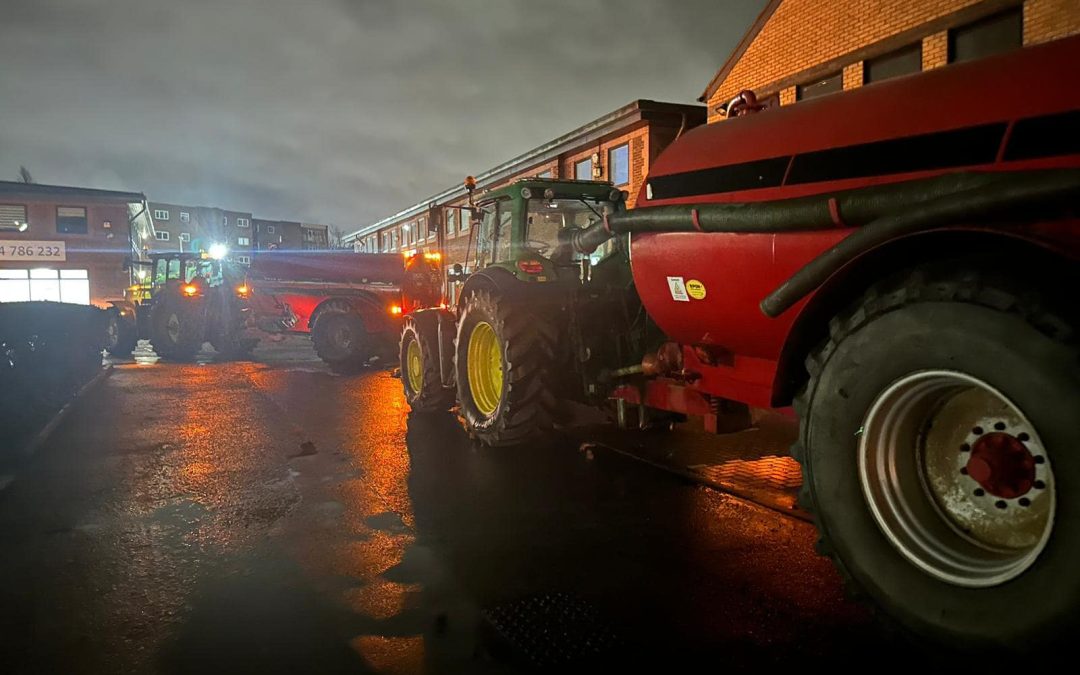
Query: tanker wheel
point(177, 327)
point(420, 377)
point(938, 440)
point(504, 355)
point(340, 341)
point(122, 336)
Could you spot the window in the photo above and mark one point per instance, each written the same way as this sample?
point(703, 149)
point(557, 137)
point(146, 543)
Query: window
point(71, 220)
point(903, 61)
point(619, 165)
point(161, 214)
point(394, 240)
point(243, 259)
point(430, 225)
point(45, 284)
point(583, 169)
point(185, 217)
point(451, 222)
point(826, 85)
point(184, 236)
point(466, 219)
point(13, 217)
point(161, 235)
point(243, 222)
point(270, 229)
point(243, 241)
point(995, 34)
point(544, 174)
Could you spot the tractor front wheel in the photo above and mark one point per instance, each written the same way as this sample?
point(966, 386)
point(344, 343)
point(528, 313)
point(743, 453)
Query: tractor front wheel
point(122, 336)
point(420, 376)
point(504, 357)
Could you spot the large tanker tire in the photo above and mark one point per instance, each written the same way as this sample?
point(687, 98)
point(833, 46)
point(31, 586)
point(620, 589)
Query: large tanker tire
point(419, 355)
point(341, 341)
point(504, 356)
point(122, 335)
point(177, 327)
point(938, 439)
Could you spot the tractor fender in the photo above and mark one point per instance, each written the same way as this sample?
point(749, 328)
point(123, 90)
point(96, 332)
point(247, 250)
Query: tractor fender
point(503, 282)
point(125, 309)
point(366, 306)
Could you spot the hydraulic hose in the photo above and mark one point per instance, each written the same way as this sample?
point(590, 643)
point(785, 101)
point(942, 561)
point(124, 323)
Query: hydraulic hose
point(881, 212)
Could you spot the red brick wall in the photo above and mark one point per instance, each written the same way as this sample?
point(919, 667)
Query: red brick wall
point(802, 35)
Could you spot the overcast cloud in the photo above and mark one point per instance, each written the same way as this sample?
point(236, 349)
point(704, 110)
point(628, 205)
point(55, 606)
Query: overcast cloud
point(335, 111)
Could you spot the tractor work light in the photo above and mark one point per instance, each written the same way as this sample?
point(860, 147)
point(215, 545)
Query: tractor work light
point(434, 256)
point(395, 310)
point(218, 251)
point(242, 290)
point(189, 290)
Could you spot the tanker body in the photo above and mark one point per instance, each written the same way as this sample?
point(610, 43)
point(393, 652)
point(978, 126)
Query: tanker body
point(899, 264)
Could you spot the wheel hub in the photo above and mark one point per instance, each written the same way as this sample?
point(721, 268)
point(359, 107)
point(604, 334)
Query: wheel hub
point(1002, 465)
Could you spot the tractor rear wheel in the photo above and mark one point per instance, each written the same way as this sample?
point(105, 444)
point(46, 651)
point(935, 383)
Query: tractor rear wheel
point(938, 440)
point(341, 341)
point(420, 376)
point(177, 327)
point(503, 366)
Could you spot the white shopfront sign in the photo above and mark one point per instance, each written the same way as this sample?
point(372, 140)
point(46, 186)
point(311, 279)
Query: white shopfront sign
point(24, 250)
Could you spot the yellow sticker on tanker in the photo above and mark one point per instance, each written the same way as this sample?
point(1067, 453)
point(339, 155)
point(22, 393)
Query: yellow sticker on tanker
point(695, 289)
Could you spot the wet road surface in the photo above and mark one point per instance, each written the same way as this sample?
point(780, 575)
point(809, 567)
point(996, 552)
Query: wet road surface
point(273, 517)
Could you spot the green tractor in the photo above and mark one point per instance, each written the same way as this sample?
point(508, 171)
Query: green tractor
point(535, 325)
point(189, 299)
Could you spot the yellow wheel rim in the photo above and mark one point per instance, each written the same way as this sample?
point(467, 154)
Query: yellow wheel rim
point(485, 368)
point(414, 366)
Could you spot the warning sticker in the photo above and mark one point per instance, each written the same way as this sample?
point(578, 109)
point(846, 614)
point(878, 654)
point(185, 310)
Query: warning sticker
point(695, 289)
point(678, 289)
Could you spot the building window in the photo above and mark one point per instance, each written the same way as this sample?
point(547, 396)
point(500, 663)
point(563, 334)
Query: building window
point(161, 214)
point(430, 225)
point(466, 220)
point(619, 165)
point(243, 259)
point(184, 236)
point(903, 61)
point(185, 217)
point(995, 34)
point(270, 229)
point(583, 169)
point(451, 222)
point(71, 286)
point(243, 241)
point(161, 235)
point(70, 220)
point(544, 174)
point(826, 85)
point(243, 222)
point(394, 240)
point(13, 217)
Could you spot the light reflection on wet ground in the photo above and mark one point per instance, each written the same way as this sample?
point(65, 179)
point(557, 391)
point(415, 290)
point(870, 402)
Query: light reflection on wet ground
point(276, 517)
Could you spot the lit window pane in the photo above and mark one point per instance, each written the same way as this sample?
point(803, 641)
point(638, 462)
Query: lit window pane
point(76, 291)
point(14, 274)
point(74, 274)
point(43, 273)
point(14, 290)
point(45, 289)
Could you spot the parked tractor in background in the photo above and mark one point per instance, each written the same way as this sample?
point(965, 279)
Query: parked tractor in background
point(350, 303)
point(188, 299)
point(899, 262)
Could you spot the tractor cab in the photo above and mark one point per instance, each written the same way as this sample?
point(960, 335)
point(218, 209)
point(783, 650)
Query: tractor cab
point(524, 227)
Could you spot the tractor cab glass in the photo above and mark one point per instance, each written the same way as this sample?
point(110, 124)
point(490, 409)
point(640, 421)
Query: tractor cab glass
point(545, 218)
point(496, 232)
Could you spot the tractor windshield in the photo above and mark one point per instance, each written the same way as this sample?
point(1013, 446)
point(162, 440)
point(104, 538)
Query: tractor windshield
point(545, 217)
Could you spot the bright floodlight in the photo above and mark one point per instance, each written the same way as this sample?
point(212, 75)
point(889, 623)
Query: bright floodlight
point(218, 251)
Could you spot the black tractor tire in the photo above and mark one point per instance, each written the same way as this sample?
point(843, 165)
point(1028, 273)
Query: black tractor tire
point(419, 358)
point(527, 347)
point(944, 319)
point(341, 341)
point(122, 336)
point(234, 347)
point(177, 327)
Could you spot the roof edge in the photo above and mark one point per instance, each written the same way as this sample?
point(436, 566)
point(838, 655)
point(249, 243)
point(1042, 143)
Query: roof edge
point(739, 50)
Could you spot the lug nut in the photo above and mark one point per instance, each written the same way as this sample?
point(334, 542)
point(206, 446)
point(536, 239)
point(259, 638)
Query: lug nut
point(964, 447)
point(964, 470)
point(1024, 501)
point(1000, 426)
point(1039, 459)
point(1000, 503)
point(1039, 485)
point(977, 431)
point(979, 492)
point(1022, 436)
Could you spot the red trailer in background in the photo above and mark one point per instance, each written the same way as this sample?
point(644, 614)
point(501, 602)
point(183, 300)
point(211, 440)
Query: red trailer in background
point(350, 303)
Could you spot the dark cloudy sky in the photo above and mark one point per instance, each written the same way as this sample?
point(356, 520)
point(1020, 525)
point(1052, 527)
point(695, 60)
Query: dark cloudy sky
point(338, 111)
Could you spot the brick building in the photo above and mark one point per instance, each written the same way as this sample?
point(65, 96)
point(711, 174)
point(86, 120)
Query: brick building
point(69, 244)
point(804, 48)
point(313, 236)
point(190, 228)
point(284, 235)
point(616, 147)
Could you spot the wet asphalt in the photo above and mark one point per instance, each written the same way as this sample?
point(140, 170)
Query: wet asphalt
point(273, 517)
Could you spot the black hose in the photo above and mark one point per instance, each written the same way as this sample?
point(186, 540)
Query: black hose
point(1037, 189)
